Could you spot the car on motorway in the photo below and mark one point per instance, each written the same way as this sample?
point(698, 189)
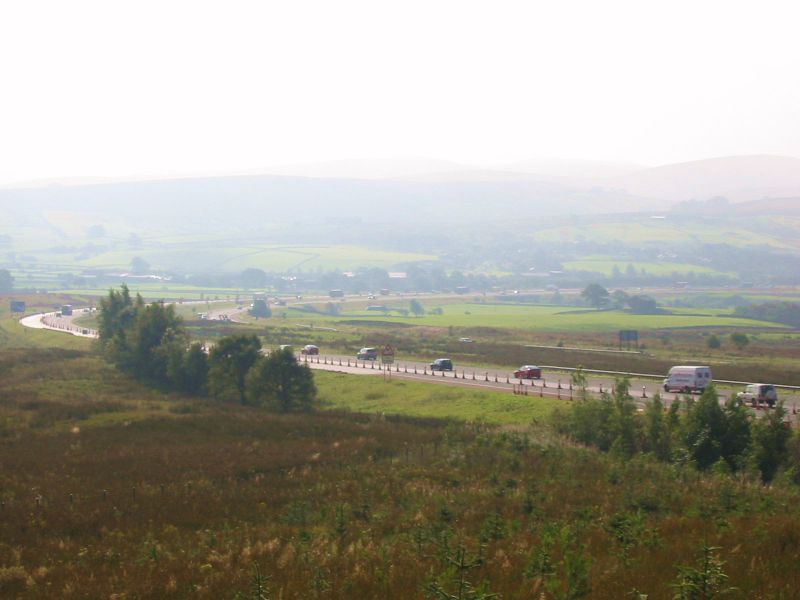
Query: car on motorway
point(442, 364)
point(687, 379)
point(465, 340)
point(759, 393)
point(367, 354)
point(528, 372)
point(310, 349)
point(286, 347)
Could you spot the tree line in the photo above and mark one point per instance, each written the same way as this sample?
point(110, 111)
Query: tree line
point(150, 342)
point(702, 432)
point(777, 312)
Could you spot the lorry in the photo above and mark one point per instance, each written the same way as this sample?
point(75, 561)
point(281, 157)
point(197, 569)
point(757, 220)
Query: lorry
point(687, 379)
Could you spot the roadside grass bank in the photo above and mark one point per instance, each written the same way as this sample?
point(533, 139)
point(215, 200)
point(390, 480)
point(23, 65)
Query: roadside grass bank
point(359, 393)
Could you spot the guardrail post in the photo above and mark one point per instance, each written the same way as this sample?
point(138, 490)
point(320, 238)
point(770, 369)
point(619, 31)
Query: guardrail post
point(544, 383)
point(495, 377)
point(559, 384)
point(373, 365)
point(473, 376)
point(415, 369)
point(424, 370)
point(601, 388)
point(644, 391)
point(487, 375)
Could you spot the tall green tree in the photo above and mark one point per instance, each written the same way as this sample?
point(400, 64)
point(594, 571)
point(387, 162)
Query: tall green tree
point(155, 328)
point(280, 383)
point(712, 432)
point(595, 295)
point(187, 369)
point(657, 436)
point(228, 363)
point(771, 435)
point(623, 422)
point(416, 308)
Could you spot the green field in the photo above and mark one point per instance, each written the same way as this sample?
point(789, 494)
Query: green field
point(605, 265)
point(540, 318)
point(663, 231)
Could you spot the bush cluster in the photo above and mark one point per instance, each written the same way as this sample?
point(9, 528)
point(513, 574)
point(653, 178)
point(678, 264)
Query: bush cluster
point(703, 432)
point(150, 342)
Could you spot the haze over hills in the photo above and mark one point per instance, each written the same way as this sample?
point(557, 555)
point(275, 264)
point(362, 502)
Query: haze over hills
point(411, 190)
point(738, 178)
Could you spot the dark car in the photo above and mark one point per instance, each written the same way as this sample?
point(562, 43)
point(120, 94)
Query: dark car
point(442, 364)
point(528, 372)
point(367, 354)
point(309, 349)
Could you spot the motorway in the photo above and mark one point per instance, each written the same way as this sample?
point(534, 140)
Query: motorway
point(556, 381)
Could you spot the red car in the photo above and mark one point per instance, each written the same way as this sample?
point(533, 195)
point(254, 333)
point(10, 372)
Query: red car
point(528, 372)
point(309, 349)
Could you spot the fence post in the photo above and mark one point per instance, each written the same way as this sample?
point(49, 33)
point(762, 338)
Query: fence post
point(644, 391)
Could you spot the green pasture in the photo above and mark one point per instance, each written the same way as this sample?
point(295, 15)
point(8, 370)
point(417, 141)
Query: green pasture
point(538, 318)
point(605, 265)
point(235, 256)
point(362, 393)
point(646, 231)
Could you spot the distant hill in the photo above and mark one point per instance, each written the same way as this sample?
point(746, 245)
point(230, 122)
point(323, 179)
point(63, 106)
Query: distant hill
point(246, 201)
point(738, 178)
point(574, 171)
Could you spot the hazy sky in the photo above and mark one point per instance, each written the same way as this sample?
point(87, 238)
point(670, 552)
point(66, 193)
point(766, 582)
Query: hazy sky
point(119, 88)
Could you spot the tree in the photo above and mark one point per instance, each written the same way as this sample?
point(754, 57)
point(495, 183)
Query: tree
point(188, 369)
point(261, 309)
point(713, 342)
point(595, 294)
point(643, 305)
point(415, 306)
point(771, 437)
point(712, 432)
point(740, 340)
point(228, 363)
point(704, 428)
point(619, 298)
point(116, 315)
point(154, 330)
point(656, 429)
point(6, 281)
point(253, 278)
point(278, 382)
point(704, 582)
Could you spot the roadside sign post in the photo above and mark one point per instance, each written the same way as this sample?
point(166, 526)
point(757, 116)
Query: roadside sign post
point(387, 360)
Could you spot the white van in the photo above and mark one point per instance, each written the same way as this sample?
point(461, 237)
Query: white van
point(687, 379)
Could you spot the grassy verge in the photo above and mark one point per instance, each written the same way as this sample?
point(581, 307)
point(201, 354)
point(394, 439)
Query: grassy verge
point(373, 395)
